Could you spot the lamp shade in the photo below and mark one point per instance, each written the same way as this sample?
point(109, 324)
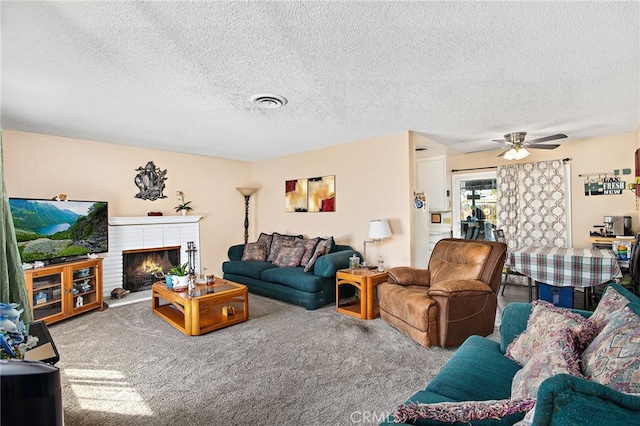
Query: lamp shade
point(379, 229)
point(247, 192)
point(516, 154)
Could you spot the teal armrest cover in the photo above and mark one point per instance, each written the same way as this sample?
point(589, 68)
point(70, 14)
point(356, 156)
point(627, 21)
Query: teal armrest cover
point(327, 265)
point(514, 322)
point(569, 400)
point(235, 252)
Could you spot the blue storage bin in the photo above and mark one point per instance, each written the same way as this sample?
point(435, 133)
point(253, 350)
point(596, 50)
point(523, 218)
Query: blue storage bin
point(559, 296)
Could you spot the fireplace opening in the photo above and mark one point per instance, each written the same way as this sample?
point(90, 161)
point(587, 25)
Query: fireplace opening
point(141, 268)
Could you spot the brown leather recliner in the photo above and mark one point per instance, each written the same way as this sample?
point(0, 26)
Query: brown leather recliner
point(453, 299)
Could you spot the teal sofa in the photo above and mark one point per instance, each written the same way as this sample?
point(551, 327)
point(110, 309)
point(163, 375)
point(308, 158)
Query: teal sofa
point(479, 371)
point(310, 290)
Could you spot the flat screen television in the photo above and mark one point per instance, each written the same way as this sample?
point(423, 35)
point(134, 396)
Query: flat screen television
point(59, 230)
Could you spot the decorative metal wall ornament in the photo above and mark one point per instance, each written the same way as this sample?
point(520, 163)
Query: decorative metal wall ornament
point(150, 182)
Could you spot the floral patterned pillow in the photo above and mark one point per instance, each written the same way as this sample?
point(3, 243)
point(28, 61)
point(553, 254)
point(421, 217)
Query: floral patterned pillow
point(558, 358)
point(613, 358)
point(289, 256)
point(279, 241)
point(309, 249)
point(464, 411)
point(266, 239)
point(323, 247)
point(543, 326)
point(255, 251)
point(610, 304)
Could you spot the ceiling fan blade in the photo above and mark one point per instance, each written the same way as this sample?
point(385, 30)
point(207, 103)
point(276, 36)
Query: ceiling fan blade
point(550, 146)
point(503, 153)
point(548, 138)
point(499, 140)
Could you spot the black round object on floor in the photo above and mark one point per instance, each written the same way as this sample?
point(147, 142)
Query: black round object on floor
point(31, 393)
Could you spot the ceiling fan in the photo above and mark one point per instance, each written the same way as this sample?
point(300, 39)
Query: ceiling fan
point(517, 143)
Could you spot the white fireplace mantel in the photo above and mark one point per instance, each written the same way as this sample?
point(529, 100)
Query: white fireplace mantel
point(142, 232)
point(152, 220)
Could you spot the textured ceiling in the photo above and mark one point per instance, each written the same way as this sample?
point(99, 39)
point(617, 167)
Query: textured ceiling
point(178, 76)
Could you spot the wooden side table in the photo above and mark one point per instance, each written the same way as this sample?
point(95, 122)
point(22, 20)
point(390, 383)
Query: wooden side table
point(365, 280)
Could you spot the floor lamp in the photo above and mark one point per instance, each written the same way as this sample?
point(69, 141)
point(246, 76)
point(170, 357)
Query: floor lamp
point(247, 192)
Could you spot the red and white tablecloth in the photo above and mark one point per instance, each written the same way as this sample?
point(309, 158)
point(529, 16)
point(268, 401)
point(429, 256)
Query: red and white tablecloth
point(574, 267)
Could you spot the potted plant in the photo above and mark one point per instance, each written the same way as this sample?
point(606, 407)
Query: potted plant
point(184, 206)
point(179, 272)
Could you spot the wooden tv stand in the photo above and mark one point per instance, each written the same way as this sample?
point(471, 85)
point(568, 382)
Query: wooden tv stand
point(60, 291)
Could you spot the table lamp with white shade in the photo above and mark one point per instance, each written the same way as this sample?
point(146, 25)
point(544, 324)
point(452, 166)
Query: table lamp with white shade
point(378, 230)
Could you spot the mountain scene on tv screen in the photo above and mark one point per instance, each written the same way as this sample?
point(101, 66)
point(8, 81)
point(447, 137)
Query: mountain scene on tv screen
point(54, 229)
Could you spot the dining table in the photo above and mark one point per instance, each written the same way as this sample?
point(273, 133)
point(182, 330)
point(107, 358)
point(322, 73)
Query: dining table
point(567, 266)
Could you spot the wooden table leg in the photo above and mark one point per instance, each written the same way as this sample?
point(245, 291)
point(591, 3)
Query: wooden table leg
point(195, 318)
point(187, 318)
point(369, 291)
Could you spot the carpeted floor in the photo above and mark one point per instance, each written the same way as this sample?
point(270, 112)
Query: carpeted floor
point(285, 366)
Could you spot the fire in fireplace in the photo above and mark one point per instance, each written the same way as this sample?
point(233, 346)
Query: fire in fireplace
point(141, 268)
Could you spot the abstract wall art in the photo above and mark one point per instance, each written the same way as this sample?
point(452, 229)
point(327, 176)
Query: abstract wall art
point(315, 194)
point(295, 194)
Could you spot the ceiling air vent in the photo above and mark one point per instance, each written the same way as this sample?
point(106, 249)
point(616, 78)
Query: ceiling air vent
point(269, 101)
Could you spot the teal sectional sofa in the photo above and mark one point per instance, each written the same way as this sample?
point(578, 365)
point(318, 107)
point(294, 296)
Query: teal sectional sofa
point(480, 371)
point(310, 290)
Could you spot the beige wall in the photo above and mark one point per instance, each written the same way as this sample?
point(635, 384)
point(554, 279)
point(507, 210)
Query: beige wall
point(41, 166)
point(603, 154)
point(373, 181)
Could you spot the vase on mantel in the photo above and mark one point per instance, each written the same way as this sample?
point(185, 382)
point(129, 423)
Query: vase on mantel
point(183, 212)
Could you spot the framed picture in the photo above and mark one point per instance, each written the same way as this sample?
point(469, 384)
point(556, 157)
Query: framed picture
point(322, 194)
point(436, 218)
point(317, 194)
point(295, 193)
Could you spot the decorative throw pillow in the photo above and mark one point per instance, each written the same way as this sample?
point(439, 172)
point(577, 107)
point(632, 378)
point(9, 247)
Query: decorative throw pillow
point(558, 358)
point(464, 411)
point(280, 240)
point(309, 248)
point(544, 323)
point(266, 240)
point(611, 303)
point(323, 247)
point(289, 256)
point(276, 251)
point(613, 358)
point(528, 418)
point(255, 251)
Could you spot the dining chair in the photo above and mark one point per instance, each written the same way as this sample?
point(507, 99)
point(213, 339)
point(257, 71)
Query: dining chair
point(498, 234)
point(631, 279)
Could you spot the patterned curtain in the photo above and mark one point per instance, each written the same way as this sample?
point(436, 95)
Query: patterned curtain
point(533, 205)
point(13, 288)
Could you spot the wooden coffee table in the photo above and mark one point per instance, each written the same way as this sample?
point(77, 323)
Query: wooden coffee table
point(201, 310)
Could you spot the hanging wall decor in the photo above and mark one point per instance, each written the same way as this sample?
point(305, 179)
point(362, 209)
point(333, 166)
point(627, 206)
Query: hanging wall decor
point(310, 195)
point(322, 194)
point(295, 194)
point(150, 182)
point(603, 183)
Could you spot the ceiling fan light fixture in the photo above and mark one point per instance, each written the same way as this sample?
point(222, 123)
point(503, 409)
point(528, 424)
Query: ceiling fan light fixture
point(516, 154)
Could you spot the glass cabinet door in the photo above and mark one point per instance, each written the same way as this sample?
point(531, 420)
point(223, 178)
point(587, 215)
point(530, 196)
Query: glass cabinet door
point(47, 295)
point(83, 287)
